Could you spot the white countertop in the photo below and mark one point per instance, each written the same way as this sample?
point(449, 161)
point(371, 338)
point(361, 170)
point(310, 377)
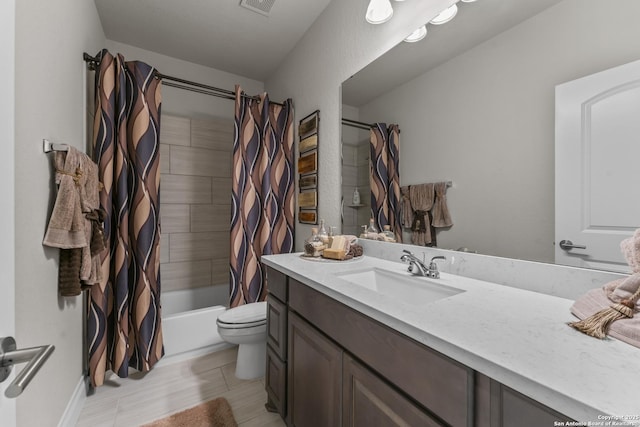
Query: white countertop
point(517, 337)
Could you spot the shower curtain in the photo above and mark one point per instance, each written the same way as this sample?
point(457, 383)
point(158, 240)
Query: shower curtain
point(385, 177)
point(262, 192)
point(123, 326)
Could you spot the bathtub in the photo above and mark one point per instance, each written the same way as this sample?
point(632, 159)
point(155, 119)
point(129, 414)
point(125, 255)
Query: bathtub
point(189, 321)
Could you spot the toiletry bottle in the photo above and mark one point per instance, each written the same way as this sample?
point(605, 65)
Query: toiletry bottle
point(388, 234)
point(313, 245)
point(363, 235)
point(356, 197)
point(322, 233)
point(372, 231)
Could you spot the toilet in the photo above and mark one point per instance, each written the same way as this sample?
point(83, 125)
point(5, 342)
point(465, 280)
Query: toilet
point(246, 326)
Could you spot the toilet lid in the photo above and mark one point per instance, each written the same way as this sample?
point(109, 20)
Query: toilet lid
point(254, 313)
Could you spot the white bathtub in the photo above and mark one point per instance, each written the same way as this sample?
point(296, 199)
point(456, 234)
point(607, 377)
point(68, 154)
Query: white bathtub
point(189, 321)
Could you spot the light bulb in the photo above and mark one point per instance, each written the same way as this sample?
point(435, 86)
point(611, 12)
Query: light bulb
point(468, 1)
point(445, 16)
point(417, 35)
point(379, 11)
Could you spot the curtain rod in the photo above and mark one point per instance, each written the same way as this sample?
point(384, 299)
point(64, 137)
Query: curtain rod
point(93, 63)
point(356, 124)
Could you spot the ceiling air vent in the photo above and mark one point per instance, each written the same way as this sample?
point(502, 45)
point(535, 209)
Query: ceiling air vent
point(263, 7)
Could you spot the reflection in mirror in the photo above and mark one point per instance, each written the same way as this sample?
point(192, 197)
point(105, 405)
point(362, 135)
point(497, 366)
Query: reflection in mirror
point(476, 104)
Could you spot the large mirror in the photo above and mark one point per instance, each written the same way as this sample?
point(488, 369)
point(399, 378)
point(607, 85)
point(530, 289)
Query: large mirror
point(475, 102)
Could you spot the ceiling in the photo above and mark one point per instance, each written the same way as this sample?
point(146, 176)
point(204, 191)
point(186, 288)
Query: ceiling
point(223, 35)
point(216, 33)
point(474, 24)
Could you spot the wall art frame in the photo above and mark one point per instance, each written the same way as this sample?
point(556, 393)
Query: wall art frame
point(307, 165)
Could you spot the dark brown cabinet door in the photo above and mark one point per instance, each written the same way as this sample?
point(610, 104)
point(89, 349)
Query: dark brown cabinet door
point(368, 401)
point(277, 326)
point(314, 377)
point(275, 383)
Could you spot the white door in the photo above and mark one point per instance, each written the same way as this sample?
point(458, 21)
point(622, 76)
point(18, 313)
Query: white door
point(597, 167)
point(7, 100)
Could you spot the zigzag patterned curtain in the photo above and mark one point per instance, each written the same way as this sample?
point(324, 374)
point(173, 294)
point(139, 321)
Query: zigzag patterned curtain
point(123, 327)
point(385, 177)
point(262, 192)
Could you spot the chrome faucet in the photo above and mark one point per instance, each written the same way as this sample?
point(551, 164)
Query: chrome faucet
point(419, 268)
point(416, 266)
point(433, 271)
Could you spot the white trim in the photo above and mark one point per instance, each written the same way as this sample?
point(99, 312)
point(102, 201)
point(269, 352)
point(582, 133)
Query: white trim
point(72, 412)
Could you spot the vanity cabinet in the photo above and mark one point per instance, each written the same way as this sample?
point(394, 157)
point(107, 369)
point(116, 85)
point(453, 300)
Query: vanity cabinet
point(344, 368)
point(276, 360)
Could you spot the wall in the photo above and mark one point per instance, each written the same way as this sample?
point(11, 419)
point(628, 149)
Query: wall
point(49, 93)
point(485, 120)
point(7, 218)
point(195, 208)
point(338, 44)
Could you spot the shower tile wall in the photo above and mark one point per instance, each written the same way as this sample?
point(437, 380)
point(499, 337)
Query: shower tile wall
point(355, 173)
point(195, 202)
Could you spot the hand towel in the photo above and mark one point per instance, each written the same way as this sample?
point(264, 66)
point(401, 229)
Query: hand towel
point(421, 197)
point(69, 227)
point(405, 206)
point(440, 211)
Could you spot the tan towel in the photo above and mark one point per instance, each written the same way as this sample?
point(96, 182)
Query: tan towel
point(405, 206)
point(69, 228)
point(440, 211)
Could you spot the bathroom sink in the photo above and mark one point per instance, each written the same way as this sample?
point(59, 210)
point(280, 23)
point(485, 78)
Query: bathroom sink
point(408, 289)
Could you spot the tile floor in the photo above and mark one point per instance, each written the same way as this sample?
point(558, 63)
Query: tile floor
point(140, 399)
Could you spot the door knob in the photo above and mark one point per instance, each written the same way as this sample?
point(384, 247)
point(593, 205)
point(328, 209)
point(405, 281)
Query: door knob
point(567, 245)
point(9, 356)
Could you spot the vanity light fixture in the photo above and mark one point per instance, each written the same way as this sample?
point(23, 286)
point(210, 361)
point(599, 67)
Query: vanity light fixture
point(379, 11)
point(445, 16)
point(417, 35)
point(468, 1)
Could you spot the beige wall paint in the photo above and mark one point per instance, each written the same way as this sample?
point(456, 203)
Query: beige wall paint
point(485, 120)
point(50, 39)
point(338, 44)
point(7, 217)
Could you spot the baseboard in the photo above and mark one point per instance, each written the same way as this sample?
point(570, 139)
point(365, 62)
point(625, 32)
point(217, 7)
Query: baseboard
point(76, 403)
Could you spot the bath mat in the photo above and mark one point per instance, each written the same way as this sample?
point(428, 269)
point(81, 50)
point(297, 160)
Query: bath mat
point(214, 413)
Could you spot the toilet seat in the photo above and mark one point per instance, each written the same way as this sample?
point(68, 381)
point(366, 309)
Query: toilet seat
point(244, 316)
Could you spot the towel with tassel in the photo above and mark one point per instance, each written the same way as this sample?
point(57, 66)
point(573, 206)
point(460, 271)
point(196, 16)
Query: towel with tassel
point(611, 310)
point(421, 197)
point(75, 225)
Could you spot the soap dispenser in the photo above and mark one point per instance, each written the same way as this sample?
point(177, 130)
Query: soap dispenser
point(356, 197)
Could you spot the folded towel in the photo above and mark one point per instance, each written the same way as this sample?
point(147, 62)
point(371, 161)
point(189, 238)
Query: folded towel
point(610, 309)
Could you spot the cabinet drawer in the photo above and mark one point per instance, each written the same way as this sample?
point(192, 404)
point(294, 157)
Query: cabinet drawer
point(277, 326)
point(368, 401)
point(277, 284)
point(440, 384)
point(276, 383)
